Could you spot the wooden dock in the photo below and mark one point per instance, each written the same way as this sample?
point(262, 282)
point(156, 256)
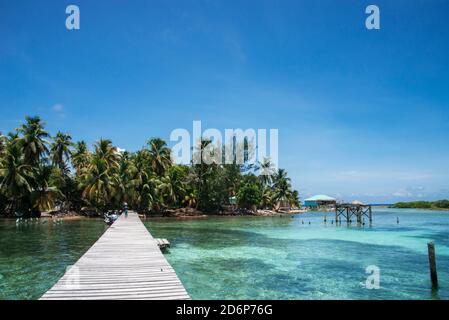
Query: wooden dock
point(126, 263)
point(163, 243)
point(350, 210)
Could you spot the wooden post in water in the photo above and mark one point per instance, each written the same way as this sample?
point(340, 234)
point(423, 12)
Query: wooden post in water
point(370, 215)
point(432, 264)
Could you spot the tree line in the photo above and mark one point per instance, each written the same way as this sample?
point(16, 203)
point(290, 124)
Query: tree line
point(40, 172)
point(439, 204)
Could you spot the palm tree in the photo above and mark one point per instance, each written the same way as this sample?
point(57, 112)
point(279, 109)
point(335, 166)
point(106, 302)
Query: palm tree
point(3, 142)
point(105, 151)
point(15, 176)
point(160, 156)
point(104, 178)
point(80, 157)
point(44, 192)
point(294, 199)
point(265, 169)
point(100, 181)
point(60, 150)
point(267, 198)
point(171, 186)
point(128, 180)
point(200, 170)
point(145, 184)
point(189, 199)
point(33, 141)
point(147, 195)
point(12, 136)
point(281, 186)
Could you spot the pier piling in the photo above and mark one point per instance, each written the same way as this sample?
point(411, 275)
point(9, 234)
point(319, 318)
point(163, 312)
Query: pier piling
point(350, 210)
point(432, 264)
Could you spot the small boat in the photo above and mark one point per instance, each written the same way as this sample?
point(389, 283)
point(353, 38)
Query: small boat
point(109, 218)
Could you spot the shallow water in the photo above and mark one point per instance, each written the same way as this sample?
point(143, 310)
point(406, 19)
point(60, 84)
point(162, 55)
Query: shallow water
point(281, 258)
point(251, 258)
point(35, 254)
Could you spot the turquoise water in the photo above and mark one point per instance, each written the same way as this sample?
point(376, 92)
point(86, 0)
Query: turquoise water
point(281, 258)
point(251, 258)
point(35, 254)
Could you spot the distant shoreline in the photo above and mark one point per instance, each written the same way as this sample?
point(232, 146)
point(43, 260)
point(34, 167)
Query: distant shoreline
point(195, 214)
point(429, 205)
point(429, 209)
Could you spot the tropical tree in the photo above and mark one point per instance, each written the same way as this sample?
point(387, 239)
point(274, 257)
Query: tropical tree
point(190, 199)
point(267, 199)
point(100, 182)
point(294, 199)
point(202, 176)
point(81, 157)
point(172, 186)
point(249, 196)
point(61, 150)
point(3, 142)
point(105, 151)
point(15, 177)
point(232, 177)
point(281, 185)
point(32, 141)
point(44, 193)
point(143, 184)
point(97, 183)
point(266, 171)
point(159, 156)
point(35, 177)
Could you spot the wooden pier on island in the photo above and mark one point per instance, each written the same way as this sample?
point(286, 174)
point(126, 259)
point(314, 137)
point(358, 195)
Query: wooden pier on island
point(126, 263)
point(353, 212)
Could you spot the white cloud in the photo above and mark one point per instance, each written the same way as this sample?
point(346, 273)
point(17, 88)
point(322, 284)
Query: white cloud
point(58, 107)
point(59, 110)
point(402, 194)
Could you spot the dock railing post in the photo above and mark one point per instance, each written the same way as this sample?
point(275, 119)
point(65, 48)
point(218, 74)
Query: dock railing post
point(432, 265)
point(336, 213)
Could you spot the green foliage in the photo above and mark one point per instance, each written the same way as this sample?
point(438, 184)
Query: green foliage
point(249, 196)
point(440, 204)
point(42, 173)
point(16, 178)
point(60, 150)
point(31, 140)
point(159, 156)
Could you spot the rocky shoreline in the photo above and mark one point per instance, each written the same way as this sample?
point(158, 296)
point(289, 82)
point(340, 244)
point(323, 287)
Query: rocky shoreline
point(193, 213)
point(176, 213)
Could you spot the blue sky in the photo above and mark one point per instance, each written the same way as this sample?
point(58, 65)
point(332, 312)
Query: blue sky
point(361, 114)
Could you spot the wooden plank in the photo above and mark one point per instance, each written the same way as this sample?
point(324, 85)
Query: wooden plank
point(125, 263)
